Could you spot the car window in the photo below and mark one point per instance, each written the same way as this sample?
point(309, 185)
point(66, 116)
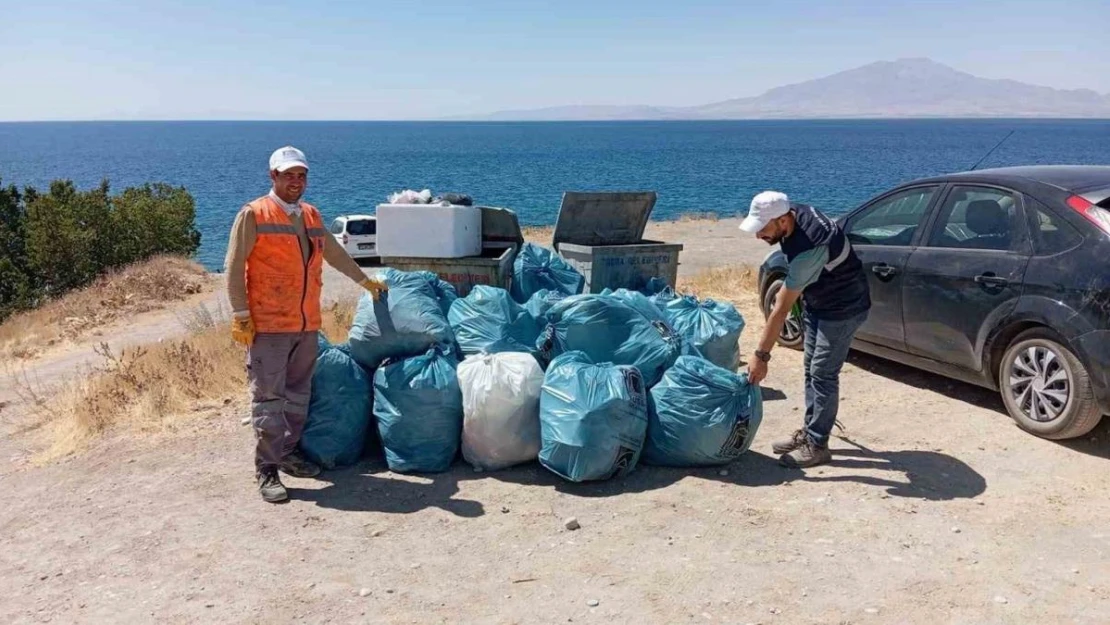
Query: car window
point(978, 218)
point(337, 226)
point(362, 227)
point(1051, 234)
point(892, 220)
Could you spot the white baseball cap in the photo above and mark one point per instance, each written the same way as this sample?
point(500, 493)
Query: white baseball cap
point(766, 207)
point(286, 157)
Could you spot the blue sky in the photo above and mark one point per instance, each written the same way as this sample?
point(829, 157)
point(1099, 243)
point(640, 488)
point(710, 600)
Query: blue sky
point(428, 59)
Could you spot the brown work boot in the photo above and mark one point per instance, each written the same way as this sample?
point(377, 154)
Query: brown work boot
point(270, 486)
point(806, 455)
point(298, 466)
point(785, 446)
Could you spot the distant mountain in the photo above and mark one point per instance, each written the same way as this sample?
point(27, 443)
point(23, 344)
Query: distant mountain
point(886, 89)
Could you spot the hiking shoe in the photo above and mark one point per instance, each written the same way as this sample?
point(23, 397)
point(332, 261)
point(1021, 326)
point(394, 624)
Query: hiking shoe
point(785, 446)
point(270, 487)
point(298, 466)
point(806, 455)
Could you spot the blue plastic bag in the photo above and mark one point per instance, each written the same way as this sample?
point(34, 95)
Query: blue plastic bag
point(445, 291)
point(609, 330)
point(406, 321)
point(593, 418)
point(418, 407)
point(541, 302)
point(488, 321)
point(537, 268)
point(701, 415)
point(339, 410)
point(713, 328)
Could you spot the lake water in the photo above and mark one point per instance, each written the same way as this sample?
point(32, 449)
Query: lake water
point(694, 166)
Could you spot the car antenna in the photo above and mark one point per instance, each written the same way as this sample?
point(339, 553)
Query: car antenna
point(980, 161)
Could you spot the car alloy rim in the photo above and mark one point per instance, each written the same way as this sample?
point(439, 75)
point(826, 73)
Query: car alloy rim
point(792, 329)
point(1039, 383)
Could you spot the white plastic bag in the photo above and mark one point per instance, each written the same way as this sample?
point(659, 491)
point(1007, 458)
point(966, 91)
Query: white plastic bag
point(408, 196)
point(501, 409)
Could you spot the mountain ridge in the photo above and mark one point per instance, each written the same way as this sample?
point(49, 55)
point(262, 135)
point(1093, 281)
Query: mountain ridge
point(904, 88)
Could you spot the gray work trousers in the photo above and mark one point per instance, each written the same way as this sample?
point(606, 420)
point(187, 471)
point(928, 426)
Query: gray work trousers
point(279, 370)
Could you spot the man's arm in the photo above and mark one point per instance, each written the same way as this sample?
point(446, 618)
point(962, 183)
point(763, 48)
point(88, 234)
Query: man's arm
point(339, 258)
point(244, 233)
point(803, 271)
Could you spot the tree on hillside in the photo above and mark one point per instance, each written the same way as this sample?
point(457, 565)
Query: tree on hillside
point(53, 242)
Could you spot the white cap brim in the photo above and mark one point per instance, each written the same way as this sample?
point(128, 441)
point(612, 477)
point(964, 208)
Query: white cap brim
point(752, 225)
point(290, 165)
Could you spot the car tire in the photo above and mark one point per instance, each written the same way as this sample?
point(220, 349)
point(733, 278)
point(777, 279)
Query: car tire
point(792, 335)
point(1045, 388)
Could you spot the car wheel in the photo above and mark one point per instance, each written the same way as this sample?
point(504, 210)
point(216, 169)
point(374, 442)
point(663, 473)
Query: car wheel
point(1046, 389)
point(792, 333)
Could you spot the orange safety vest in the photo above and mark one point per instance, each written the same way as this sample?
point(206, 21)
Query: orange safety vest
point(283, 291)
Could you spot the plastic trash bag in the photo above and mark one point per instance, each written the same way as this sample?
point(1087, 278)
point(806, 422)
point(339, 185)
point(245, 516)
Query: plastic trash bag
point(445, 291)
point(541, 302)
point(488, 321)
point(609, 330)
point(408, 196)
point(537, 268)
point(640, 302)
point(501, 409)
point(406, 321)
point(339, 409)
point(593, 418)
point(701, 415)
point(713, 328)
point(418, 407)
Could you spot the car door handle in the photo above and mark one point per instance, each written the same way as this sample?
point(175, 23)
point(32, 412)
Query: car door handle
point(989, 279)
point(884, 271)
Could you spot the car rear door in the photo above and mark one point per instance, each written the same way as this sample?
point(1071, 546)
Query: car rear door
point(883, 234)
point(363, 233)
point(966, 276)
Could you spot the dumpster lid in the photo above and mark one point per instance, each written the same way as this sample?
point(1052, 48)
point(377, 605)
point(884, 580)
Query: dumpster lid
point(603, 218)
point(500, 228)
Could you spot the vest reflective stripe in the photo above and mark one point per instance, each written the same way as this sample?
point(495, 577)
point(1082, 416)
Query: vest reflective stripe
point(283, 290)
point(836, 262)
point(276, 229)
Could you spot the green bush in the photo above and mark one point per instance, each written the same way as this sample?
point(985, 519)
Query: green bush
point(62, 240)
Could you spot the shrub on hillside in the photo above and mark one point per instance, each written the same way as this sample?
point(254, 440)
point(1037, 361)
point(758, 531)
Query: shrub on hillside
point(54, 242)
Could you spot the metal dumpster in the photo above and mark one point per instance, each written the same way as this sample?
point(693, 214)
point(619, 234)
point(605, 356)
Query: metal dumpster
point(501, 240)
point(601, 235)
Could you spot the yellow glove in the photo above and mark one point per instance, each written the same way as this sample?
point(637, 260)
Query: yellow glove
point(242, 330)
point(376, 287)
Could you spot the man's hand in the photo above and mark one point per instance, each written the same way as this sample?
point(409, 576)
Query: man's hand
point(784, 301)
point(242, 330)
point(376, 287)
point(757, 371)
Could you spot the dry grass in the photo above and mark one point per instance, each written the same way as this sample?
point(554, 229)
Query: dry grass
point(736, 284)
point(155, 388)
point(133, 290)
point(706, 216)
point(540, 235)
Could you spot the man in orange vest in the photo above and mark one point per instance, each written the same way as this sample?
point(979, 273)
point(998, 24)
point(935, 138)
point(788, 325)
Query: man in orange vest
point(274, 278)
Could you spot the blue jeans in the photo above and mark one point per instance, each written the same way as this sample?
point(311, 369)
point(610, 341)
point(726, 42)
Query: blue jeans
point(826, 349)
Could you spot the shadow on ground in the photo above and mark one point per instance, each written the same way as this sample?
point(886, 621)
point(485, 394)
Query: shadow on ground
point(359, 489)
point(913, 474)
point(960, 391)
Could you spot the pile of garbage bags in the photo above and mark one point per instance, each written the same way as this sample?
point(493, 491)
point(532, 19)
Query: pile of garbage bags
point(589, 385)
point(538, 268)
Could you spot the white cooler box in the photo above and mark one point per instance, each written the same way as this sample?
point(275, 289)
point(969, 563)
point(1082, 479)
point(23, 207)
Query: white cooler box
point(429, 230)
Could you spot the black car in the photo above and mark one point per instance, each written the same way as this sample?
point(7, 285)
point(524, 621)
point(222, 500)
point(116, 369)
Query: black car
point(998, 277)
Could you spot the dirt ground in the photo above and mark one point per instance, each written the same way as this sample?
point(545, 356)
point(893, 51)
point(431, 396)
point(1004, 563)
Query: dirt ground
point(936, 509)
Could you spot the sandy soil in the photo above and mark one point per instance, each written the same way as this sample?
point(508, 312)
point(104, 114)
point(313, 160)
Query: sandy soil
point(936, 510)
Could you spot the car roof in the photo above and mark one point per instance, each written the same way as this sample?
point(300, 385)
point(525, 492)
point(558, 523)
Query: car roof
point(1071, 178)
point(350, 217)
